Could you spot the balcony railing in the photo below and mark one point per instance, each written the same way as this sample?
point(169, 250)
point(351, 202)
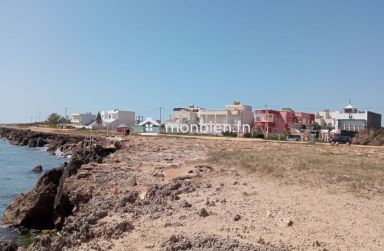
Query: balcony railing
point(266, 118)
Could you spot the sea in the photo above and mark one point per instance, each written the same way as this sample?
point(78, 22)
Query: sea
point(16, 176)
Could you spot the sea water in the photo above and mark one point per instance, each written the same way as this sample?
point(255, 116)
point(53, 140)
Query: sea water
point(16, 176)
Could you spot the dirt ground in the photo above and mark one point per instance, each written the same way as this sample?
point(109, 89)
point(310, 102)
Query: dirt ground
point(280, 196)
point(209, 193)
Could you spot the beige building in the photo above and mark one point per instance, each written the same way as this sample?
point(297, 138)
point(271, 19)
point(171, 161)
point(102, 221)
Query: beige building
point(234, 117)
point(233, 114)
point(184, 115)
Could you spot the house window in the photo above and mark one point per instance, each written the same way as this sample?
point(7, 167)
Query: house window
point(149, 128)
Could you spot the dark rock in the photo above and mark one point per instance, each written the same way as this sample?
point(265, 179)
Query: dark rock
point(37, 169)
point(32, 142)
point(35, 209)
point(128, 198)
point(40, 142)
point(122, 227)
point(186, 204)
point(25, 142)
point(42, 243)
point(203, 213)
point(8, 246)
point(237, 217)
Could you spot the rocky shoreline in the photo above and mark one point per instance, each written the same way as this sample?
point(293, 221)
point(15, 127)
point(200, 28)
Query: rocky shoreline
point(48, 205)
point(176, 193)
point(54, 143)
point(104, 196)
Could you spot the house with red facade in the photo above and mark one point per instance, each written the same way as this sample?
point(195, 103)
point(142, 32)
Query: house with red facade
point(276, 122)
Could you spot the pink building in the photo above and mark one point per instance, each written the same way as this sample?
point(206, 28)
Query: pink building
point(272, 121)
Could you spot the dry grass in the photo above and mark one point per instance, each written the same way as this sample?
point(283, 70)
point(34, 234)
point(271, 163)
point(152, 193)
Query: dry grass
point(312, 165)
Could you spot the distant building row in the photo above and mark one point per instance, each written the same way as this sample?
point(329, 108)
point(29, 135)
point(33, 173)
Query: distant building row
point(275, 121)
point(109, 119)
point(121, 121)
point(268, 121)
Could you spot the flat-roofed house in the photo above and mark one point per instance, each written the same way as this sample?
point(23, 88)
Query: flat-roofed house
point(82, 119)
point(277, 122)
point(233, 116)
point(113, 118)
point(349, 119)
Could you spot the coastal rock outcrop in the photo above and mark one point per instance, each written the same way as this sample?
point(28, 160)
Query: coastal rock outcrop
point(8, 246)
point(62, 205)
point(34, 209)
point(53, 142)
point(47, 205)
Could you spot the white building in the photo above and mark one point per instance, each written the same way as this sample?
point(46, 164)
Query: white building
point(350, 119)
point(82, 119)
point(113, 118)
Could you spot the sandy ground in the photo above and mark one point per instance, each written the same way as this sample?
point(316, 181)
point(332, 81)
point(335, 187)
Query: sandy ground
point(250, 206)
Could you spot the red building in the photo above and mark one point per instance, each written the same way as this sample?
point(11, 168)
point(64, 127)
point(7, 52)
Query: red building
point(272, 121)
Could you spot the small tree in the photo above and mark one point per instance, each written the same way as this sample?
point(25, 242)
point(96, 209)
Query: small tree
point(53, 119)
point(98, 119)
point(64, 120)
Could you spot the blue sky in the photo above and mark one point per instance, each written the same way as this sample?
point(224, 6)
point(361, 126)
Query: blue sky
point(140, 55)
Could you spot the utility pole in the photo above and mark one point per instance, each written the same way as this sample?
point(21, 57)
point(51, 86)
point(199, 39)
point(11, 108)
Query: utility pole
point(266, 118)
point(66, 110)
point(160, 114)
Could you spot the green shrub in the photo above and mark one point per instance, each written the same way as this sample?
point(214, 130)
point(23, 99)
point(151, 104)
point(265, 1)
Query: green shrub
point(254, 134)
point(229, 134)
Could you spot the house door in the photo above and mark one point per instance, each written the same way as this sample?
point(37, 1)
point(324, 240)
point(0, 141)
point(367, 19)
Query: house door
point(148, 128)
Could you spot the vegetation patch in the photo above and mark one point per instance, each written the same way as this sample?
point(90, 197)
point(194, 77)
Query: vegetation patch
point(358, 173)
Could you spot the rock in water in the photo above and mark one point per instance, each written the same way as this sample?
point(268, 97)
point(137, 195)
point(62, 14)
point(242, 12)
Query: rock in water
point(37, 169)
